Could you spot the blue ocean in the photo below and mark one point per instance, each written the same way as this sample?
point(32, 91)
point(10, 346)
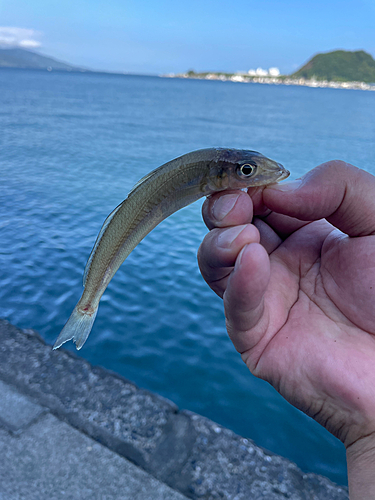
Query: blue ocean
point(71, 147)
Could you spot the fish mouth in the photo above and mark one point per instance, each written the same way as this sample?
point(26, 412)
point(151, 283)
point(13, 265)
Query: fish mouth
point(283, 174)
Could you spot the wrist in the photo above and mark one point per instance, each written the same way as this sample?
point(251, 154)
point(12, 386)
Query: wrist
point(361, 468)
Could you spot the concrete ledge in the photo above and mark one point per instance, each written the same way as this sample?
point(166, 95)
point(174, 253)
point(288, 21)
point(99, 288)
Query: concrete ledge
point(186, 451)
point(16, 412)
point(50, 460)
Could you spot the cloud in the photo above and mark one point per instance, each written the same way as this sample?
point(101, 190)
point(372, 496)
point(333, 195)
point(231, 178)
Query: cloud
point(19, 37)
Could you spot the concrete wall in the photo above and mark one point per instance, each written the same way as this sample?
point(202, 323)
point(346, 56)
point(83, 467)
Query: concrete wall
point(186, 451)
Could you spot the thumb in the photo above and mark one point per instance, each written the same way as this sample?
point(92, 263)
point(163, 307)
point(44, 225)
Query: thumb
point(342, 194)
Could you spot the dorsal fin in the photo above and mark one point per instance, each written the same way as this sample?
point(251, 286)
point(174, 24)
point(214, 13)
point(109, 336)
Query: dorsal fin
point(147, 177)
point(110, 217)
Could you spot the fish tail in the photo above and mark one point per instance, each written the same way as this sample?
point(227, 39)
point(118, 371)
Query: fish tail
point(77, 328)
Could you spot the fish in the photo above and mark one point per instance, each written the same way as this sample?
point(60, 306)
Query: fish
point(155, 197)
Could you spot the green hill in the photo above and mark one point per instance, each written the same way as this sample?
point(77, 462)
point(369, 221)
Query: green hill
point(339, 66)
point(22, 58)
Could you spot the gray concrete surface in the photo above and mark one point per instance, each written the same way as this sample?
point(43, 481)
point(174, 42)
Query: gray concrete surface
point(43, 458)
point(71, 430)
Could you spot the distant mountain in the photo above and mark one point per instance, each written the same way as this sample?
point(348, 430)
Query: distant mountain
point(21, 58)
point(339, 66)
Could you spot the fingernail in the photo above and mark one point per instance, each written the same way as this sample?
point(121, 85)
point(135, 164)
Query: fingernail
point(287, 186)
point(227, 236)
point(239, 258)
point(224, 205)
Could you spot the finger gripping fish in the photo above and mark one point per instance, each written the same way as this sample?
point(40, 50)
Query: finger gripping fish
point(159, 194)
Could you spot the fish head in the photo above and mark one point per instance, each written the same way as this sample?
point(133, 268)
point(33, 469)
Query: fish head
point(238, 169)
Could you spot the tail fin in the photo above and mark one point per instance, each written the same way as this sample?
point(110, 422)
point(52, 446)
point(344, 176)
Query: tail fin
point(77, 328)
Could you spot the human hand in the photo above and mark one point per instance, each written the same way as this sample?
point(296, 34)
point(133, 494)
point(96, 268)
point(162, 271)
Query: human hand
point(299, 292)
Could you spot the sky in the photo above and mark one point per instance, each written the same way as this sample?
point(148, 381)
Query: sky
point(170, 36)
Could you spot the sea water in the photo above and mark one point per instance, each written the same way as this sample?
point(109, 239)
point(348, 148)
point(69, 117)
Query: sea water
point(71, 147)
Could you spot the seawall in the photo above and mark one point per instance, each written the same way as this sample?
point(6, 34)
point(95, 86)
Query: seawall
point(188, 452)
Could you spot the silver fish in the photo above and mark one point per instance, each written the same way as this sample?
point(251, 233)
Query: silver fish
point(159, 194)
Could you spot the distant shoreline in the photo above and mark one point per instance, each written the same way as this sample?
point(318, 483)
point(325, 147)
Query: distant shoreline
point(223, 77)
point(281, 80)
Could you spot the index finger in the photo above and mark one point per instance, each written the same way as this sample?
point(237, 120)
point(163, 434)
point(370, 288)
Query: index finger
point(233, 208)
point(227, 208)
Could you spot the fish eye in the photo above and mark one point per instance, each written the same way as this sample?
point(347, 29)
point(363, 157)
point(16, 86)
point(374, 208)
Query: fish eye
point(246, 170)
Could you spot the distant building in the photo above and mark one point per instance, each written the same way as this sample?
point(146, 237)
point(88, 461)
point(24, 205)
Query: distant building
point(274, 72)
point(263, 72)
